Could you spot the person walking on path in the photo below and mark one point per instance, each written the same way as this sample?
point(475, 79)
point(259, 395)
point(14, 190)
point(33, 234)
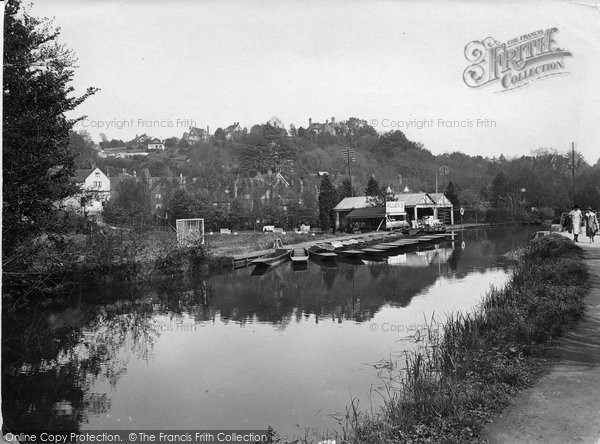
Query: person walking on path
point(577, 219)
point(591, 224)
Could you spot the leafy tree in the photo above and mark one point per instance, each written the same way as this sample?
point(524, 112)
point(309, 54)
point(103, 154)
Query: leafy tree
point(171, 142)
point(327, 201)
point(345, 189)
point(131, 205)
point(499, 188)
point(219, 135)
point(452, 195)
point(293, 130)
point(372, 188)
point(81, 145)
point(37, 163)
point(181, 206)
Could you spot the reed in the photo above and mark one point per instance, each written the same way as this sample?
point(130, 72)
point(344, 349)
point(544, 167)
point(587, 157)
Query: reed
point(466, 369)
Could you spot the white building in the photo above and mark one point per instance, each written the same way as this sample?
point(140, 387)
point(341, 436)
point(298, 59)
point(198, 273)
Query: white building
point(95, 190)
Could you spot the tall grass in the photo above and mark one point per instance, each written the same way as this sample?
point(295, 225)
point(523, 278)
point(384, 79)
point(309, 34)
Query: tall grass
point(467, 370)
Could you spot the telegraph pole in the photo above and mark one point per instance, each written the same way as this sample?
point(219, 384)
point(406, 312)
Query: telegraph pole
point(349, 155)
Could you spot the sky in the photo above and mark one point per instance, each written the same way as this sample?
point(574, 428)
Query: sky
point(162, 66)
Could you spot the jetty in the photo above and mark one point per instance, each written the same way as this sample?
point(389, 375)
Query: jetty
point(375, 241)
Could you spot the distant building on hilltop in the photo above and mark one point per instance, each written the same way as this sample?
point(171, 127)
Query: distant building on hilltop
point(197, 135)
point(156, 144)
point(140, 140)
point(232, 130)
point(323, 128)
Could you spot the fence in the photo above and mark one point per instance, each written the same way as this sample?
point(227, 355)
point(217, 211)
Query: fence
point(189, 231)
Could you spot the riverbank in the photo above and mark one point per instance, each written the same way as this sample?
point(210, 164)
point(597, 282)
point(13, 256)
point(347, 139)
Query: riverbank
point(564, 405)
point(56, 265)
point(469, 370)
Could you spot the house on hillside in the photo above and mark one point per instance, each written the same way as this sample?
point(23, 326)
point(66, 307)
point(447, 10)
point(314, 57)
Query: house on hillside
point(95, 190)
point(160, 188)
point(155, 144)
point(232, 131)
point(323, 128)
point(140, 140)
point(197, 135)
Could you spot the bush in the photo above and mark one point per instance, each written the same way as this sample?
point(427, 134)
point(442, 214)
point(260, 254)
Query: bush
point(178, 259)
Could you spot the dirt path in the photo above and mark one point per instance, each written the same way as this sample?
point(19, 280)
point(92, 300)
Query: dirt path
point(564, 405)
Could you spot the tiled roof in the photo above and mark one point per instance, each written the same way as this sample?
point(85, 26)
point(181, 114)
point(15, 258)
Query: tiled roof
point(81, 175)
point(409, 199)
point(350, 203)
point(414, 199)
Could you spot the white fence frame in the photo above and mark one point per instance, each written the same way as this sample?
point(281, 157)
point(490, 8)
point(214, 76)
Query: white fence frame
point(189, 230)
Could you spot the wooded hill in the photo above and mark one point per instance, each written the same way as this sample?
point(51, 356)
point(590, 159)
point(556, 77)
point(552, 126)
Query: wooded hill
point(542, 179)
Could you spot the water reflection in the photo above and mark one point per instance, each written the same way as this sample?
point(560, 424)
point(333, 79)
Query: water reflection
point(212, 347)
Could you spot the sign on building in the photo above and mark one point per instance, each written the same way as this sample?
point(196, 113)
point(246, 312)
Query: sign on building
point(394, 208)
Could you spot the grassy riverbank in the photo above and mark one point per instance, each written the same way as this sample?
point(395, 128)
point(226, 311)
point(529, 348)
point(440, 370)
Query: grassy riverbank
point(467, 370)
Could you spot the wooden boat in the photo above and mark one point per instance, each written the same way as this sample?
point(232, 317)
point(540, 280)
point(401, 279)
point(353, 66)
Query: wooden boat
point(349, 253)
point(273, 258)
point(383, 247)
point(321, 253)
point(372, 251)
point(299, 255)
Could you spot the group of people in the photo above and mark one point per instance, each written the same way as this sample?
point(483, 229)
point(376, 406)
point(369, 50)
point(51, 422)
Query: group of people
point(578, 220)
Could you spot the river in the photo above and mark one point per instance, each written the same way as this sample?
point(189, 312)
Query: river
point(287, 349)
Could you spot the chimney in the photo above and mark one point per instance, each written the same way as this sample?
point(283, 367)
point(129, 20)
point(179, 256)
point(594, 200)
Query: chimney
point(326, 121)
point(309, 121)
point(207, 130)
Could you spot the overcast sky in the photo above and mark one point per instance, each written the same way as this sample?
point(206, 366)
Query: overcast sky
point(214, 63)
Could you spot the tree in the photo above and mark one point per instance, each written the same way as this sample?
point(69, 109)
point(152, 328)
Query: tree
point(131, 205)
point(372, 188)
point(327, 201)
point(499, 188)
point(37, 163)
point(171, 142)
point(452, 195)
point(293, 130)
point(82, 147)
point(219, 135)
point(345, 189)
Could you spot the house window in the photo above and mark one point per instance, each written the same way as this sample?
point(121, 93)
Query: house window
point(158, 196)
point(97, 184)
point(97, 174)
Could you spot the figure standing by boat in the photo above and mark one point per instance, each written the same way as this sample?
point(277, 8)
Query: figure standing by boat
point(591, 224)
point(577, 219)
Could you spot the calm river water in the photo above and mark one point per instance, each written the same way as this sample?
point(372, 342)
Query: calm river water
point(288, 348)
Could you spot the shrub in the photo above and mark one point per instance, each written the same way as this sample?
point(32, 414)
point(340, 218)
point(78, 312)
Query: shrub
point(180, 259)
